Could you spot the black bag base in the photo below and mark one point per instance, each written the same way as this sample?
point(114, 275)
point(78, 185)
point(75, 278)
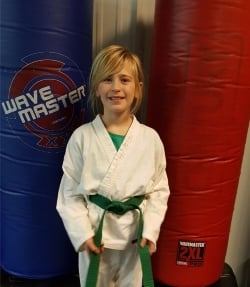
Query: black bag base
point(227, 279)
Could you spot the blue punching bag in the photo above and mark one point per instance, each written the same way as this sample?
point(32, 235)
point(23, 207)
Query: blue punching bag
point(45, 61)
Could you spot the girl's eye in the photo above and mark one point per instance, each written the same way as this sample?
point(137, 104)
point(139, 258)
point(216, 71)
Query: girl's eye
point(125, 80)
point(107, 80)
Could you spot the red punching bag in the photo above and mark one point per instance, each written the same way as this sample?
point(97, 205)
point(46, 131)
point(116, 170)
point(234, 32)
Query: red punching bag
point(199, 101)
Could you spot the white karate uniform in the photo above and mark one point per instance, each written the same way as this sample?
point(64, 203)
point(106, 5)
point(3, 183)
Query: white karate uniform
point(93, 165)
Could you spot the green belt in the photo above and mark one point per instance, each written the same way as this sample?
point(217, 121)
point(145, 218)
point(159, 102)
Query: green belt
point(119, 208)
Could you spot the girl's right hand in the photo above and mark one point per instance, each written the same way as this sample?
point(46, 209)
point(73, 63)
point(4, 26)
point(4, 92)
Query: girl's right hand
point(89, 246)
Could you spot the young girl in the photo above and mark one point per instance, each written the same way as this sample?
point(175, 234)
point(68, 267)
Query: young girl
point(114, 182)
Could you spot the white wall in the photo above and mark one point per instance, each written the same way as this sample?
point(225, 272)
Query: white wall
point(238, 252)
point(130, 23)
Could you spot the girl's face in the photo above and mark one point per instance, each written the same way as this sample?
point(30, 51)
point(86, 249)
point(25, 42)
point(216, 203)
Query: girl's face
point(117, 91)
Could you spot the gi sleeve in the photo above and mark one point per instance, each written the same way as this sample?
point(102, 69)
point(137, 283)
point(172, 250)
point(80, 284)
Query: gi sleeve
point(156, 207)
point(71, 204)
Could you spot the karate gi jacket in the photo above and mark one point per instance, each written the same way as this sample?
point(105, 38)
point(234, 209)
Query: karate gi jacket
point(93, 165)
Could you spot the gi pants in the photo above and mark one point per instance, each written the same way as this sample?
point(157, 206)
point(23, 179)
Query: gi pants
point(118, 268)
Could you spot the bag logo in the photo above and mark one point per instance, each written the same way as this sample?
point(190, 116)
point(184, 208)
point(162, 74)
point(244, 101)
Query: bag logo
point(191, 253)
point(46, 99)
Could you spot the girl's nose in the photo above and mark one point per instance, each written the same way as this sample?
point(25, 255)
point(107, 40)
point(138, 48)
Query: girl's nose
point(115, 85)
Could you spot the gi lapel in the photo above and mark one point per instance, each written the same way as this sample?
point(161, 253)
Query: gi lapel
point(114, 157)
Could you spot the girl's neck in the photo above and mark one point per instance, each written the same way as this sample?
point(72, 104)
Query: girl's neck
point(117, 124)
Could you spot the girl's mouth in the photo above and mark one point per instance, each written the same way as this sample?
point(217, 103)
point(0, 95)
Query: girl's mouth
point(115, 98)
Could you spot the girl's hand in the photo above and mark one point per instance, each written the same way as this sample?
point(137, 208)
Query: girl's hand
point(89, 246)
point(150, 244)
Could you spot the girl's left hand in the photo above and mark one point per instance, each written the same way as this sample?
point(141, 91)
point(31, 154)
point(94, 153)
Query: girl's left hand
point(149, 243)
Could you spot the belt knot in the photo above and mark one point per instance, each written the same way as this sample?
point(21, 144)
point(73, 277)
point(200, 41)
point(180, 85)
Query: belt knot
point(119, 207)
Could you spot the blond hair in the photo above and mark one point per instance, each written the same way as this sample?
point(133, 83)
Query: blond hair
point(109, 61)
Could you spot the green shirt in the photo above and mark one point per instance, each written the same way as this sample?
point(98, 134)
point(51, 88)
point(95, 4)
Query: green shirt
point(117, 140)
